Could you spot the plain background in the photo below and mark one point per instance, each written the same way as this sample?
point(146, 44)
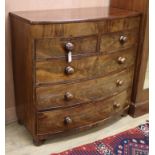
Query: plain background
point(22, 5)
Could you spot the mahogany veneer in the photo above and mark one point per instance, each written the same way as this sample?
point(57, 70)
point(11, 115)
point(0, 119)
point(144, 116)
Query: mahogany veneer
point(140, 96)
point(73, 69)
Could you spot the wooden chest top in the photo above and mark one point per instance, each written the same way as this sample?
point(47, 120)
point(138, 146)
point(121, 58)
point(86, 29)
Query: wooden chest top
point(72, 15)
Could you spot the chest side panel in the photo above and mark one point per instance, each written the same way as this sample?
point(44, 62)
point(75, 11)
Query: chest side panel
point(23, 73)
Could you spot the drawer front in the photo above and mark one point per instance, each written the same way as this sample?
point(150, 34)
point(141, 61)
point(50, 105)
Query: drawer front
point(52, 48)
point(65, 95)
point(123, 24)
point(83, 36)
point(84, 28)
point(84, 68)
point(56, 121)
point(68, 29)
point(114, 41)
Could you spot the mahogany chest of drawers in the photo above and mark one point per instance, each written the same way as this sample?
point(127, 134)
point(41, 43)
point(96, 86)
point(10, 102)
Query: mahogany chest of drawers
point(73, 69)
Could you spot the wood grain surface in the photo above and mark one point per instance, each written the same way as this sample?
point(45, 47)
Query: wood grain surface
point(85, 91)
point(68, 29)
point(18, 5)
point(22, 73)
point(87, 114)
point(72, 15)
point(44, 91)
point(84, 28)
point(55, 47)
point(140, 96)
point(111, 42)
point(53, 71)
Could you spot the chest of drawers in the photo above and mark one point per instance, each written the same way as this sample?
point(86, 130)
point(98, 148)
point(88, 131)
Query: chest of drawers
point(73, 69)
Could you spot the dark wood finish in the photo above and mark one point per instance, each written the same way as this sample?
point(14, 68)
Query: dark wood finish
point(84, 28)
point(111, 42)
point(123, 24)
point(72, 15)
point(22, 74)
point(48, 48)
point(142, 95)
point(55, 95)
point(38, 142)
point(53, 71)
point(55, 47)
point(68, 29)
point(139, 95)
point(139, 109)
point(54, 121)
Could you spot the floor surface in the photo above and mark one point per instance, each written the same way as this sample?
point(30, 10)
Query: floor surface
point(19, 141)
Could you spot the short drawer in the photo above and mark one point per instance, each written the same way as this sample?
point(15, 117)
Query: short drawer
point(56, 121)
point(54, 71)
point(70, 94)
point(113, 42)
point(56, 47)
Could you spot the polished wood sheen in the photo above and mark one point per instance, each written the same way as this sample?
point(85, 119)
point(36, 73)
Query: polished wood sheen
point(68, 29)
point(73, 69)
point(48, 48)
point(123, 24)
point(140, 96)
point(72, 15)
point(53, 71)
point(85, 28)
point(55, 47)
point(53, 97)
point(22, 70)
point(54, 121)
point(111, 42)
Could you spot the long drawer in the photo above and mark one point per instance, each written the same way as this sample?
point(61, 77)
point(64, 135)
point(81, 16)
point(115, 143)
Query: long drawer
point(70, 94)
point(54, 71)
point(84, 28)
point(56, 121)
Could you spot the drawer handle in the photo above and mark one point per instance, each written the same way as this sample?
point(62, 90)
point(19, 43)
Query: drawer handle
point(68, 96)
point(121, 60)
point(123, 39)
point(69, 46)
point(119, 82)
point(68, 120)
point(116, 105)
point(69, 70)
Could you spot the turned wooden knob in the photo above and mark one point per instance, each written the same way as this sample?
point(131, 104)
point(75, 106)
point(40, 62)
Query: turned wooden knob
point(119, 82)
point(121, 60)
point(69, 46)
point(68, 120)
point(116, 105)
point(69, 70)
point(123, 39)
point(68, 96)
